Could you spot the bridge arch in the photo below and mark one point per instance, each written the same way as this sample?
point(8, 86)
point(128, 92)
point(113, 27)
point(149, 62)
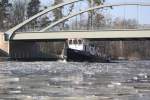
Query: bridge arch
point(92, 8)
point(10, 32)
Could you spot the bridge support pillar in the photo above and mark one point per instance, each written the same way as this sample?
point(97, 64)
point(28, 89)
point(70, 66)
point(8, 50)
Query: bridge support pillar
point(4, 46)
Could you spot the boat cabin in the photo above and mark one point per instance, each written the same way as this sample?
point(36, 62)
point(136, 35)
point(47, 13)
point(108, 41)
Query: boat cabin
point(76, 44)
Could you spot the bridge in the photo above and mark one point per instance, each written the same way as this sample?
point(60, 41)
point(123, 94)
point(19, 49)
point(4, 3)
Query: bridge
point(105, 34)
point(13, 35)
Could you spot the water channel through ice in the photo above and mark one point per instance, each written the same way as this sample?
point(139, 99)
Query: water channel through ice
point(75, 81)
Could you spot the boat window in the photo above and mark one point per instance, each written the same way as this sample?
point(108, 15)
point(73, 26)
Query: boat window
point(85, 48)
point(70, 41)
point(92, 45)
point(75, 42)
point(80, 42)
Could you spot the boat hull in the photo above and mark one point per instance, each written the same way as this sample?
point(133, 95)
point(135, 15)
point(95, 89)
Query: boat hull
point(80, 56)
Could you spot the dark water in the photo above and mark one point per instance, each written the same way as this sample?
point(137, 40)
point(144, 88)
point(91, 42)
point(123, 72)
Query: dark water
point(75, 81)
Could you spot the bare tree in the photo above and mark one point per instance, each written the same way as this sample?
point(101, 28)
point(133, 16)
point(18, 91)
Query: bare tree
point(125, 24)
point(91, 14)
point(19, 11)
point(5, 7)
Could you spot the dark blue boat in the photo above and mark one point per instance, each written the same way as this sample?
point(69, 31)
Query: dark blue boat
point(78, 50)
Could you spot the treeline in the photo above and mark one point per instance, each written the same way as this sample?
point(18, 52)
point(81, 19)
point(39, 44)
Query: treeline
point(13, 12)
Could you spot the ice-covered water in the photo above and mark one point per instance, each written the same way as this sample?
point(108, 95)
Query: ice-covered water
point(74, 81)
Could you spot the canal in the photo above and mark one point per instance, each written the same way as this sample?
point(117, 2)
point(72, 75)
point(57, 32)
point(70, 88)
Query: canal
point(75, 81)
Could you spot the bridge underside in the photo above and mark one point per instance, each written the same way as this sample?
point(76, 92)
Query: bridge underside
point(115, 34)
point(46, 49)
point(36, 50)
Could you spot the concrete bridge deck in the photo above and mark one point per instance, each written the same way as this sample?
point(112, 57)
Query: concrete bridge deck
point(113, 34)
